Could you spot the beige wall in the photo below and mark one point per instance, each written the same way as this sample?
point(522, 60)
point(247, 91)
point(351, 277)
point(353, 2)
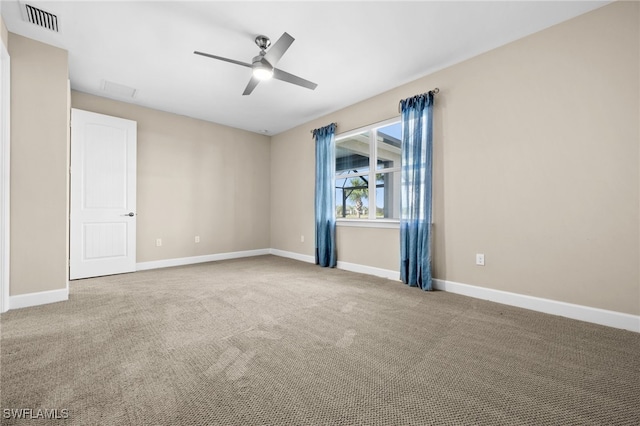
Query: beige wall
point(194, 178)
point(39, 166)
point(536, 166)
point(356, 245)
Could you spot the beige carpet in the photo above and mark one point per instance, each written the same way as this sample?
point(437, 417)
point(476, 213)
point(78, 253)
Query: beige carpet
point(271, 341)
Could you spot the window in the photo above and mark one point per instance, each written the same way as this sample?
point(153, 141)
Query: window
point(368, 172)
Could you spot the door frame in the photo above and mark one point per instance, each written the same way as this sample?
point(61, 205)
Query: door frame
point(5, 165)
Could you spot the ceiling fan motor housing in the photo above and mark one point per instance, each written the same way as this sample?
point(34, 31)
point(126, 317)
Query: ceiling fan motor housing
point(260, 62)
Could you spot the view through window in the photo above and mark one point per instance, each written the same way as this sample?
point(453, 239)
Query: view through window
point(368, 172)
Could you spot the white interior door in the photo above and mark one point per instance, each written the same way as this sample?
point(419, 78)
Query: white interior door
point(103, 195)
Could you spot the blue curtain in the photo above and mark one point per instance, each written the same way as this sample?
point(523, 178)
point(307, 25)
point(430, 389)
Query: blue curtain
point(325, 196)
point(415, 209)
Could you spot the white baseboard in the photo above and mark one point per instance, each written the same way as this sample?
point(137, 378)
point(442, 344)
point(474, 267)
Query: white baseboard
point(39, 298)
point(369, 270)
point(547, 306)
point(292, 255)
point(352, 267)
point(167, 263)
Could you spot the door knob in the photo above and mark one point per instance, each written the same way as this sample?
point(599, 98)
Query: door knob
point(130, 214)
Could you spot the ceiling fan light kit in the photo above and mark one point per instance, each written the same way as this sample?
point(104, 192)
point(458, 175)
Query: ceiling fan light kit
point(263, 66)
point(262, 70)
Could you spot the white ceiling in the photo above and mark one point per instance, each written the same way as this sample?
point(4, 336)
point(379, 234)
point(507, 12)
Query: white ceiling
point(352, 50)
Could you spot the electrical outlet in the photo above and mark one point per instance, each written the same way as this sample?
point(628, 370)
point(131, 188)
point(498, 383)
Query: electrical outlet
point(197, 239)
point(480, 259)
point(158, 242)
point(302, 238)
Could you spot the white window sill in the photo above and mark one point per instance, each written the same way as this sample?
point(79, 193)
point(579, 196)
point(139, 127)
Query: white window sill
point(368, 223)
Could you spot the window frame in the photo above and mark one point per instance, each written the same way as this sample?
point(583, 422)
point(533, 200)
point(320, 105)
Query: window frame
point(371, 220)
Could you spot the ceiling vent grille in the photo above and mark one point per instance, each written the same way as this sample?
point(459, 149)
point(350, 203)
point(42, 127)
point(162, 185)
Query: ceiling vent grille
point(119, 90)
point(41, 17)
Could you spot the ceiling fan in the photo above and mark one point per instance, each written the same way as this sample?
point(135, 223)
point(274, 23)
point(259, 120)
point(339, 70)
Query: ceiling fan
point(264, 65)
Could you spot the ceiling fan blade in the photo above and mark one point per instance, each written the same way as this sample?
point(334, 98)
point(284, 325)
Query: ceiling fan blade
point(276, 51)
point(252, 85)
point(244, 64)
point(294, 79)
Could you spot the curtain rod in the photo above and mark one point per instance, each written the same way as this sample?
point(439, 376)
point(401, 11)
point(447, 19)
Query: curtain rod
point(434, 91)
point(313, 130)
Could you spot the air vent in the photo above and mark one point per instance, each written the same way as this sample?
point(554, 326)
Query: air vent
point(119, 90)
point(40, 17)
